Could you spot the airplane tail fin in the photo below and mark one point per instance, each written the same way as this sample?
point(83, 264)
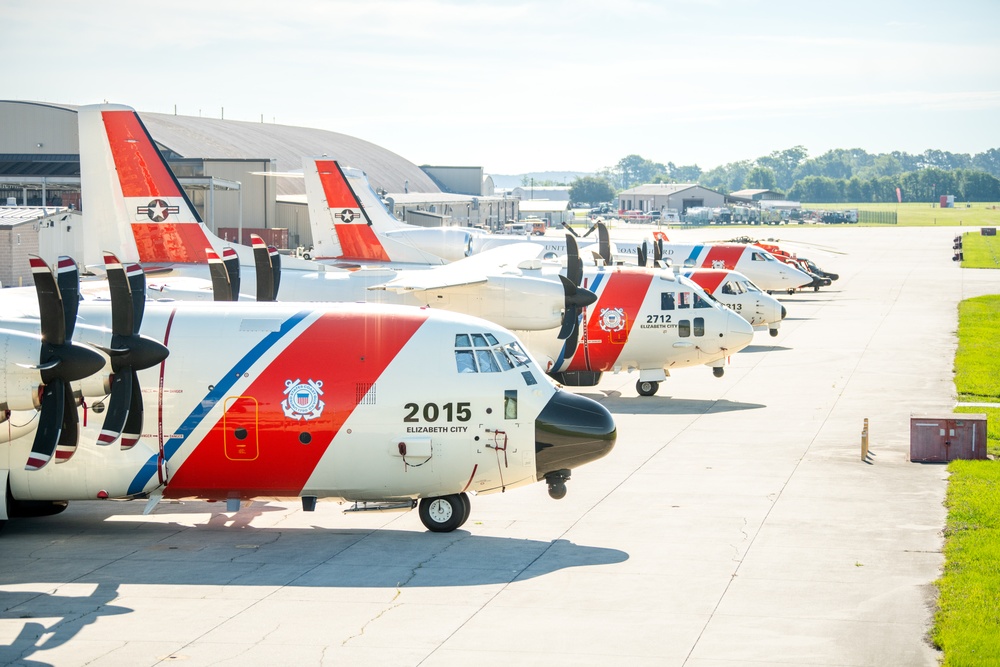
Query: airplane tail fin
point(130, 194)
point(348, 220)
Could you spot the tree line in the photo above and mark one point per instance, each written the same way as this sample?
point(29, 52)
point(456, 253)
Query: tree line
point(839, 175)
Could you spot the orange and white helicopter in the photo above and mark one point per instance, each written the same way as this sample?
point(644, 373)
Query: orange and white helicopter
point(292, 400)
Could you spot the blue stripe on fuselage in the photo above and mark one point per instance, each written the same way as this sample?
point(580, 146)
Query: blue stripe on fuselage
point(206, 405)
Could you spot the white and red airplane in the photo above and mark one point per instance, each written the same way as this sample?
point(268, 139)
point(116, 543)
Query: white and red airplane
point(738, 293)
point(310, 401)
point(132, 198)
point(349, 223)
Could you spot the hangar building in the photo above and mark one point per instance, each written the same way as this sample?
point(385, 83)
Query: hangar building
point(218, 162)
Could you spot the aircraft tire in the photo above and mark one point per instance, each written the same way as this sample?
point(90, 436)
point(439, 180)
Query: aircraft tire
point(646, 387)
point(773, 332)
point(468, 507)
point(442, 514)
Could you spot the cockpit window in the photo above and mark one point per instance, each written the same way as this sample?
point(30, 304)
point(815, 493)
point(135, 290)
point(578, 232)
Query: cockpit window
point(756, 257)
point(700, 302)
point(666, 300)
point(684, 299)
point(483, 353)
point(750, 287)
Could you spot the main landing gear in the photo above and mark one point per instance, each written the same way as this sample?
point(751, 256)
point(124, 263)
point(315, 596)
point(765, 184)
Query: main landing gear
point(646, 387)
point(444, 514)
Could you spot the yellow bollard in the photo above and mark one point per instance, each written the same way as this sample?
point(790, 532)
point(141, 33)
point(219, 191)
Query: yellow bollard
point(864, 442)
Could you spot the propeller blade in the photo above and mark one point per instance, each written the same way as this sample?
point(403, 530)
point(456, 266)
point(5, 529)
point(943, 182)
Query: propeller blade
point(232, 262)
point(576, 299)
point(221, 289)
point(50, 424)
point(592, 227)
point(50, 308)
point(574, 265)
point(137, 288)
point(569, 347)
point(658, 250)
point(118, 408)
point(121, 318)
point(262, 263)
point(133, 425)
point(275, 258)
point(604, 243)
point(69, 436)
point(570, 229)
point(642, 251)
point(68, 279)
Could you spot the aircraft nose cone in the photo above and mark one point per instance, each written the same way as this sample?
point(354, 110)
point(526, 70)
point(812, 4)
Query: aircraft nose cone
point(739, 333)
point(570, 431)
point(784, 313)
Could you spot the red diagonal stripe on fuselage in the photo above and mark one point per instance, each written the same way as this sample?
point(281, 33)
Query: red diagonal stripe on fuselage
point(709, 279)
point(623, 288)
point(140, 168)
point(728, 254)
point(340, 350)
point(182, 242)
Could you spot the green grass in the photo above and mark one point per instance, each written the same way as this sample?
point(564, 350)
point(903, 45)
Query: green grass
point(986, 214)
point(980, 252)
point(967, 623)
point(977, 364)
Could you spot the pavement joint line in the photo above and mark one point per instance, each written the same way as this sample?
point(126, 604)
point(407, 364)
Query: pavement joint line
point(791, 474)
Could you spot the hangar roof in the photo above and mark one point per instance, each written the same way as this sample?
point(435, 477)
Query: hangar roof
point(193, 137)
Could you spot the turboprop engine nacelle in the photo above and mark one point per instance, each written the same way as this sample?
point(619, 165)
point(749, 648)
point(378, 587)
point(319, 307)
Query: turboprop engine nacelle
point(445, 242)
point(20, 376)
point(511, 300)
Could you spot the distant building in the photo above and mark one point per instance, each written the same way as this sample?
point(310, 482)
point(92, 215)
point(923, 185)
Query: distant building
point(756, 195)
point(664, 196)
point(550, 192)
point(554, 212)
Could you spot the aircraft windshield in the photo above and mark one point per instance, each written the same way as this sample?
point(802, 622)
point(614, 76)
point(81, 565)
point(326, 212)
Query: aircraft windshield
point(483, 353)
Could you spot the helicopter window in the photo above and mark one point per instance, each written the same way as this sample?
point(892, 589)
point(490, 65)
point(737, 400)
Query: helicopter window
point(699, 326)
point(465, 361)
point(684, 299)
point(684, 328)
point(462, 340)
point(487, 364)
point(479, 340)
point(666, 300)
point(700, 302)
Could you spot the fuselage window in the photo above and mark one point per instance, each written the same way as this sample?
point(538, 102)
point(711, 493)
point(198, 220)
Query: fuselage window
point(510, 404)
point(699, 326)
point(666, 300)
point(684, 328)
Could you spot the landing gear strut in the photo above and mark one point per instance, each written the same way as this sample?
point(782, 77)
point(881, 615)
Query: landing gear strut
point(646, 387)
point(557, 483)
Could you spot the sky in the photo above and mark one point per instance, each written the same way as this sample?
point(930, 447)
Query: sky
point(524, 86)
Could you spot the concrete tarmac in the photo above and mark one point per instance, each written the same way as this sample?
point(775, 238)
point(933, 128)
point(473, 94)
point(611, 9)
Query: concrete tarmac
point(734, 523)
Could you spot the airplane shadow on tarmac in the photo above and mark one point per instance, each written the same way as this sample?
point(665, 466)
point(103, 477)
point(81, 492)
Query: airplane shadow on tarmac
point(115, 544)
point(763, 348)
point(666, 405)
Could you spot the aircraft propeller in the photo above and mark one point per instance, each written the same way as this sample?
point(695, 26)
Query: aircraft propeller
point(60, 361)
point(603, 243)
point(222, 279)
point(577, 298)
point(129, 352)
point(268, 267)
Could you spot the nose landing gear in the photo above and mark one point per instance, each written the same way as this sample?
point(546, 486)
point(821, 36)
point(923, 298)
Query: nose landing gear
point(646, 387)
point(557, 483)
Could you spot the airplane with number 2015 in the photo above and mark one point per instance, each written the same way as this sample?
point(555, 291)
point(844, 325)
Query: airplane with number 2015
point(286, 400)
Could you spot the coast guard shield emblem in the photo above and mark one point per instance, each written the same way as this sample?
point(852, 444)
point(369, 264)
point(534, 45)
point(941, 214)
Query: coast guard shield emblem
point(612, 319)
point(302, 400)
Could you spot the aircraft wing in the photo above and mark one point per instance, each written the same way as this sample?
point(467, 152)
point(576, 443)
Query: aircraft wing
point(468, 271)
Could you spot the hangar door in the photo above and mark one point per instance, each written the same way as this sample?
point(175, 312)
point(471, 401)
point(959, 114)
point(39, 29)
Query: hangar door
point(690, 203)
